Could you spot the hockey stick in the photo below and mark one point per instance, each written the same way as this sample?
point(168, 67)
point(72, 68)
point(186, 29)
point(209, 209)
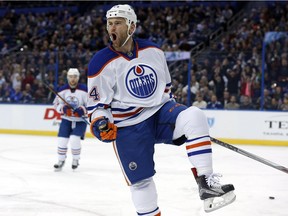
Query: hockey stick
point(250, 155)
point(69, 105)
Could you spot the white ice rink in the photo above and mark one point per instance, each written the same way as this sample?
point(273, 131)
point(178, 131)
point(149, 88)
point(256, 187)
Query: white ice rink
point(30, 187)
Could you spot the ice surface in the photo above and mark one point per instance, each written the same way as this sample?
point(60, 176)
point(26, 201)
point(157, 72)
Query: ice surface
point(30, 187)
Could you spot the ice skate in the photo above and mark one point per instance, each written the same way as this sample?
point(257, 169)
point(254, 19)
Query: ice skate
point(214, 194)
point(75, 164)
point(59, 165)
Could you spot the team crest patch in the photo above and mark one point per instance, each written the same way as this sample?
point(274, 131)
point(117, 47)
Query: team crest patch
point(141, 81)
point(73, 101)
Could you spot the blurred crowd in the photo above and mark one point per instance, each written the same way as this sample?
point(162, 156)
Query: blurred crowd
point(41, 47)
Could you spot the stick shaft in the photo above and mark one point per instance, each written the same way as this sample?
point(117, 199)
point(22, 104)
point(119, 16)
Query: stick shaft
point(56, 93)
point(250, 155)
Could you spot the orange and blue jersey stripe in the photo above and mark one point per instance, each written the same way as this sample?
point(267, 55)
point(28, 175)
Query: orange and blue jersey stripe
point(124, 114)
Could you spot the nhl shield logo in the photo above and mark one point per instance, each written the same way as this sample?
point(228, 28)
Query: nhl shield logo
point(141, 81)
point(210, 122)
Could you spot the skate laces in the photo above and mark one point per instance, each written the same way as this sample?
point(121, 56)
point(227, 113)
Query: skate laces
point(214, 180)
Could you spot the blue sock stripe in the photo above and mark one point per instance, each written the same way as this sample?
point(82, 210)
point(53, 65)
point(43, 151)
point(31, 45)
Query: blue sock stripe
point(205, 151)
point(148, 212)
point(190, 140)
point(76, 151)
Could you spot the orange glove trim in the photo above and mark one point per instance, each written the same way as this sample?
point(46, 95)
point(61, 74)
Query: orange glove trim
point(111, 133)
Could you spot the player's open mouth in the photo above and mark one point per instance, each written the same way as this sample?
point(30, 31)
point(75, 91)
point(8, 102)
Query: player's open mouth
point(114, 36)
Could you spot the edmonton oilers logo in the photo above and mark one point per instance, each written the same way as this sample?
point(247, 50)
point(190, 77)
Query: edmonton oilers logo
point(141, 81)
point(132, 166)
point(73, 101)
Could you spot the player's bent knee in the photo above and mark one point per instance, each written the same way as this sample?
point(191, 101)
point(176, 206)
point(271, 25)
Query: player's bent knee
point(63, 142)
point(190, 122)
point(75, 141)
point(144, 196)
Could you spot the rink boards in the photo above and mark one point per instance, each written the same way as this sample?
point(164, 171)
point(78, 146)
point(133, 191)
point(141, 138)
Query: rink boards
point(235, 127)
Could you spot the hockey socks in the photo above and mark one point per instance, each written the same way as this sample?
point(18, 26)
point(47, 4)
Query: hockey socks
point(199, 152)
point(144, 197)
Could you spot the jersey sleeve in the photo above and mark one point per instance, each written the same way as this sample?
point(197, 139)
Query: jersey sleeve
point(82, 88)
point(58, 104)
point(167, 73)
point(101, 84)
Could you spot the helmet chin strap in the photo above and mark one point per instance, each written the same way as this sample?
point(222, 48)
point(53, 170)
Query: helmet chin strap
point(126, 39)
point(128, 36)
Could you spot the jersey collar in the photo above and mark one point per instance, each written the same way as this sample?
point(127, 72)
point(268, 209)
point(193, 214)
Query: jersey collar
point(130, 55)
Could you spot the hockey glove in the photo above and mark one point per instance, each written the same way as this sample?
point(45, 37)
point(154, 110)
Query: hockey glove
point(103, 129)
point(80, 111)
point(67, 110)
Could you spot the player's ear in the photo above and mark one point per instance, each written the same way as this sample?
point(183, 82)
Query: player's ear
point(132, 28)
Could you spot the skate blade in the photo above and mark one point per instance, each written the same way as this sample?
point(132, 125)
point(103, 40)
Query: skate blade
point(75, 166)
point(58, 169)
point(212, 204)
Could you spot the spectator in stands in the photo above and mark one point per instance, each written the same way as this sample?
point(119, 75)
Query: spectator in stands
point(274, 104)
point(233, 79)
point(16, 80)
point(199, 102)
point(245, 103)
point(16, 95)
point(41, 93)
point(277, 92)
point(226, 98)
point(4, 49)
point(284, 105)
point(205, 92)
point(246, 86)
point(7, 96)
point(218, 85)
point(232, 104)
point(27, 94)
point(283, 73)
point(214, 103)
point(266, 100)
point(194, 87)
point(2, 93)
point(28, 78)
point(256, 92)
point(27, 97)
point(2, 78)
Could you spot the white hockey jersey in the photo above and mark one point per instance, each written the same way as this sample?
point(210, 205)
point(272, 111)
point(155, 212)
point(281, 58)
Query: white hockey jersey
point(75, 98)
point(129, 88)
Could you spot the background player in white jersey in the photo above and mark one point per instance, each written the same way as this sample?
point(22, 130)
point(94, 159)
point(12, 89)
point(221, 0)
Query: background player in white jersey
point(130, 104)
point(73, 126)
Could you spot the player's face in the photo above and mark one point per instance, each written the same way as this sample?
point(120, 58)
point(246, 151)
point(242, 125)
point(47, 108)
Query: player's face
point(72, 80)
point(117, 30)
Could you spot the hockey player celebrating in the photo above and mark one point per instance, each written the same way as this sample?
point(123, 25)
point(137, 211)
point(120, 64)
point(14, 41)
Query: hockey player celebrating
point(130, 104)
point(71, 103)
